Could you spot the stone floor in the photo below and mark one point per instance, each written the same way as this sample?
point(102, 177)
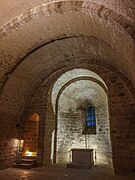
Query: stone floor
point(61, 172)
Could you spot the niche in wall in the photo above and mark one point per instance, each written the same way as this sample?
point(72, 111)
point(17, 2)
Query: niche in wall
point(31, 135)
point(71, 114)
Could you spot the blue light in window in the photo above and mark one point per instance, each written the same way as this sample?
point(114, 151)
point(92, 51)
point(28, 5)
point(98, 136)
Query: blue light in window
point(91, 118)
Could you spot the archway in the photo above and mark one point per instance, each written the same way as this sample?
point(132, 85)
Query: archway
point(114, 83)
point(31, 135)
point(83, 88)
point(117, 85)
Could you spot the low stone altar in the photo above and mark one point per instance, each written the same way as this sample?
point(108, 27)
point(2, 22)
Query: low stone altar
point(81, 158)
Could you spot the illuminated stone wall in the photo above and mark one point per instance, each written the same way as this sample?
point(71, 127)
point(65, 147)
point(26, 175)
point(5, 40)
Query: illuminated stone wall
point(70, 123)
point(31, 134)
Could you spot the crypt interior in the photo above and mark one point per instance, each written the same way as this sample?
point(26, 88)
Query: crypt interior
point(67, 82)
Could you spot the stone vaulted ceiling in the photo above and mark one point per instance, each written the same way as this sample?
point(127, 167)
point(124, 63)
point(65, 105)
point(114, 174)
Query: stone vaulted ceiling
point(38, 37)
point(79, 82)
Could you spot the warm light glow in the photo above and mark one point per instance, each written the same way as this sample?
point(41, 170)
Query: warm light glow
point(21, 142)
point(34, 117)
point(29, 153)
point(15, 141)
point(20, 145)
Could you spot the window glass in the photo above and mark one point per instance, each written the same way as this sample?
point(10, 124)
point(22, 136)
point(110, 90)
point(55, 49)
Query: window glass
point(90, 118)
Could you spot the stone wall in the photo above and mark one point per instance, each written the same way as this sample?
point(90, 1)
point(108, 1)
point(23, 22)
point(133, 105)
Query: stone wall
point(8, 139)
point(122, 125)
point(118, 104)
point(70, 136)
point(31, 133)
point(49, 129)
point(70, 127)
point(120, 100)
point(8, 151)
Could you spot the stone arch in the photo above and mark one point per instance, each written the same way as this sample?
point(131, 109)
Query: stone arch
point(29, 82)
point(101, 31)
point(55, 7)
point(117, 85)
point(60, 151)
